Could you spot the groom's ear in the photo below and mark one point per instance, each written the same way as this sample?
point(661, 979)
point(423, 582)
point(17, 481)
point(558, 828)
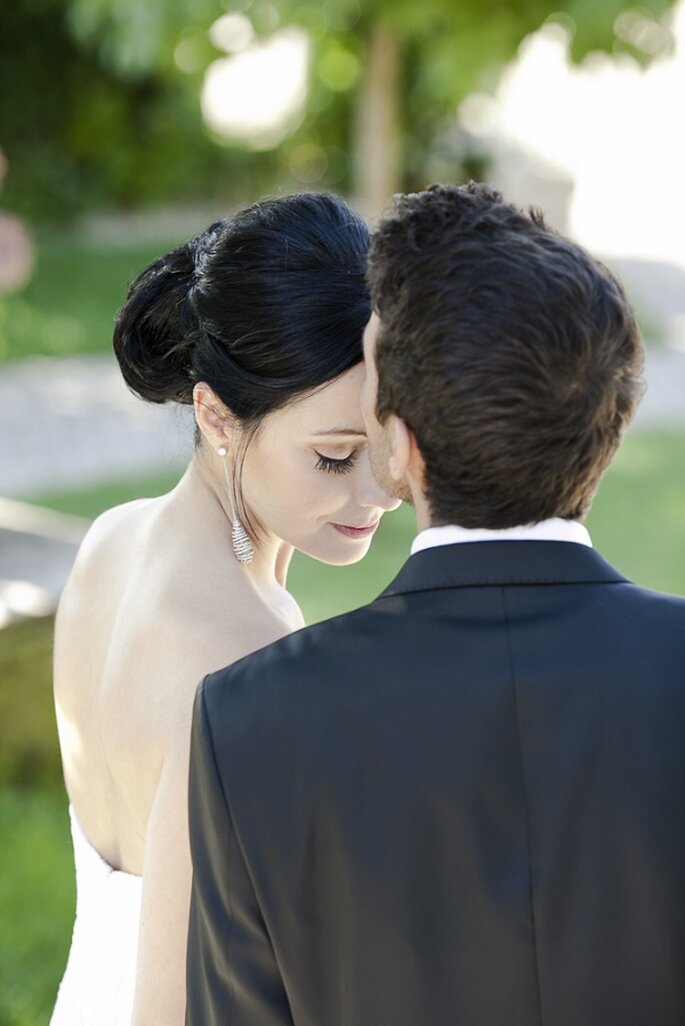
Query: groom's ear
point(405, 459)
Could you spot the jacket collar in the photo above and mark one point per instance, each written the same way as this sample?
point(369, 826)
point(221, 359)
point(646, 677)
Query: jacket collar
point(480, 564)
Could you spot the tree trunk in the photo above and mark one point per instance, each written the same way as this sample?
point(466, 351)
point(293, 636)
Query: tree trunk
point(378, 151)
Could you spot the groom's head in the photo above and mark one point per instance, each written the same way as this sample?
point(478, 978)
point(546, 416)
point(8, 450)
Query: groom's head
point(504, 362)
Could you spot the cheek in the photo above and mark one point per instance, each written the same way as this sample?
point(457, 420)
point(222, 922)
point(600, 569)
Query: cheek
point(291, 495)
point(317, 494)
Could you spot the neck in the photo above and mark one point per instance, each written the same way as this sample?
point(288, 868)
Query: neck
point(420, 504)
point(202, 494)
point(270, 563)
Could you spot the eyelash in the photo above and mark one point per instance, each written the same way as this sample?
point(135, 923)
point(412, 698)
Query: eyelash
point(331, 466)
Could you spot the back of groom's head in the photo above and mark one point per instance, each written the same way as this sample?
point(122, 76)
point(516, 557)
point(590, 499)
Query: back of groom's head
point(512, 355)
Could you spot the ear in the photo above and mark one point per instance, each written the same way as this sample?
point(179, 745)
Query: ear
point(416, 471)
point(214, 419)
point(405, 459)
point(399, 447)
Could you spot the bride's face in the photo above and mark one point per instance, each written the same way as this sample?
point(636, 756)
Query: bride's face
point(307, 479)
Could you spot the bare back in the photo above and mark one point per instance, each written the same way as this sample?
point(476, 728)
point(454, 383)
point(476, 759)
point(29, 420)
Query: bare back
point(156, 600)
point(142, 620)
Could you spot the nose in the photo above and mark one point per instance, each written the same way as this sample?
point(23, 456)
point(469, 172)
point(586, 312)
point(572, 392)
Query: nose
point(369, 491)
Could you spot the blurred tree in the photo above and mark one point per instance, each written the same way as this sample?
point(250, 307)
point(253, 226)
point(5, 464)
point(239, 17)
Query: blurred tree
point(16, 249)
point(387, 74)
point(113, 87)
point(417, 61)
point(95, 111)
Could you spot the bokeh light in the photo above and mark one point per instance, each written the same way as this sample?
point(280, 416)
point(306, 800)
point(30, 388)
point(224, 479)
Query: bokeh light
point(308, 163)
point(341, 15)
point(338, 69)
point(257, 96)
point(232, 33)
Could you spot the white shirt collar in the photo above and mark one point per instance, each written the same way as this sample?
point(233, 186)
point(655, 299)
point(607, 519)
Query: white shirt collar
point(554, 529)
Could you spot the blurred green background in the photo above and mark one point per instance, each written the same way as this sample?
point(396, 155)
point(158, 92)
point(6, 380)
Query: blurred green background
point(104, 118)
point(104, 101)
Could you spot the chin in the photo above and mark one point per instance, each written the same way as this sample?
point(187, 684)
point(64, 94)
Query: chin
point(340, 555)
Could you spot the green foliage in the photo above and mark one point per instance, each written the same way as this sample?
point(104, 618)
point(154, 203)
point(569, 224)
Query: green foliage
point(594, 25)
point(134, 37)
point(86, 122)
point(95, 111)
point(447, 50)
point(29, 752)
point(36, 903)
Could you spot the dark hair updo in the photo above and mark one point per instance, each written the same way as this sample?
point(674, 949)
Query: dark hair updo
point(263, 306)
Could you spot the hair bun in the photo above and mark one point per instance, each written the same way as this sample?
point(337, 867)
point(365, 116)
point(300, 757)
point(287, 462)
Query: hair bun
point(156, 328)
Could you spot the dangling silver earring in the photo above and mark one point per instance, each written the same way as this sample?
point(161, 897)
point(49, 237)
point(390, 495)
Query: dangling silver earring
point(242, 543)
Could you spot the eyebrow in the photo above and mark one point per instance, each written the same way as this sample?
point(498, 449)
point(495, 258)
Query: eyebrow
point(340, 431)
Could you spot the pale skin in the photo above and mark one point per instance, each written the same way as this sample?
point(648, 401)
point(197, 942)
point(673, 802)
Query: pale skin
point(156, 601)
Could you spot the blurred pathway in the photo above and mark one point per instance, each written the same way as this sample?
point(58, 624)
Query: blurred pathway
point(37, 549)
point(69, 423)
point(664, 403)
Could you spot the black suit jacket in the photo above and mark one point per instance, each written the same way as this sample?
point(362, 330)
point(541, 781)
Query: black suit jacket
point(463, 805)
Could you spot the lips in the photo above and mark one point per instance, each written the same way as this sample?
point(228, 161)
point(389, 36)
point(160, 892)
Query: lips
point(356, 532)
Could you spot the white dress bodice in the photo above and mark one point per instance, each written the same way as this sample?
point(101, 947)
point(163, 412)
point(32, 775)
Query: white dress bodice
point(98, 984)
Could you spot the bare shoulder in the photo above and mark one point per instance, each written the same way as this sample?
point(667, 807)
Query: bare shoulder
point(110, 526)
point(193, 639)
point(226, 635)
point(93, 588)
point(151, 615)
point(104, 555)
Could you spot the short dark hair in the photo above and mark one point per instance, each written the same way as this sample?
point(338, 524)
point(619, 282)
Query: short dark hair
point(510, 352)
point(264, 306)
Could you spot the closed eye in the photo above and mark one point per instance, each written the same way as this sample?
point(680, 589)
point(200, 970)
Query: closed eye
point(331, 466)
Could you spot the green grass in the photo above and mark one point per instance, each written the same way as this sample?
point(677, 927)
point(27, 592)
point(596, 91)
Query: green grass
point(638, 519)
point(70, 304)
point(90, 502)
point(36, 903)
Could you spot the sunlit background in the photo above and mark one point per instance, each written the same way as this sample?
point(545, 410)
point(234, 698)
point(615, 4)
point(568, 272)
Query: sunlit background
point(128, 125)
point(610, 127)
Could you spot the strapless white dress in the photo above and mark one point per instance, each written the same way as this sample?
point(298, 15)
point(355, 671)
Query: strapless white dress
point(98, 984)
